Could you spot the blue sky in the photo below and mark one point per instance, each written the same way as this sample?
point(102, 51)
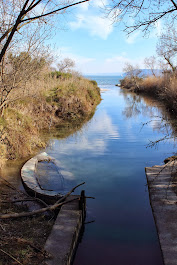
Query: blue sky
point(97, 45)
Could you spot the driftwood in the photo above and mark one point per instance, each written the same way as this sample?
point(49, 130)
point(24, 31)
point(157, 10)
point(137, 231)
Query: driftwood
point(57, 204)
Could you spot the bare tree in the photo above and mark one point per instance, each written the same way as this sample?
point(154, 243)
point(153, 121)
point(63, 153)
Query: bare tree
point(167, 47)
point(133, 76)
point(25, 61)
point(66, 65)
point(28, 11)
point(144, 13)
point(24, 25)
point(151, 63)
point(132, 71)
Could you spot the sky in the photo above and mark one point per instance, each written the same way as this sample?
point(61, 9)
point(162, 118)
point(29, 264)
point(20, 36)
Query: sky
point(97, 45)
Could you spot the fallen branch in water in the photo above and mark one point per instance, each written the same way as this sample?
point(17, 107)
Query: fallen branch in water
point(67, 194)
point(57, 204)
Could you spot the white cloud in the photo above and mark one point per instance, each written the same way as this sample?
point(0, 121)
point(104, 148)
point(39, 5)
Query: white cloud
point(99, 3)
point(66, 52)
point(78, 23)
point(96, 26)
point(117, 59)
point(159, 28)
point(94, 3)
point(118, 62)
point(132, 37)
point(90, 18)
point(89, 65)
point(95, 141)
point(157, 31)
point(84, 6)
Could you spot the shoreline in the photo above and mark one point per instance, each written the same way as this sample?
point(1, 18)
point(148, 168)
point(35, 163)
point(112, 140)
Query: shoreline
point(28, 125)
point(162, 186)
point(162, 89)
point(65, 103)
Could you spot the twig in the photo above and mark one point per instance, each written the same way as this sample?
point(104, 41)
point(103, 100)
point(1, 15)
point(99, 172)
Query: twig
point(2, 227)
point(59, 203)
point(67, 194)
point(42, 210)
point(10, 256)
point(24, 200)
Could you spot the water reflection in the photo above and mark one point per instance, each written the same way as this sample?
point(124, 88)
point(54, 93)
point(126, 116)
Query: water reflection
point(160, 119)
point(110, 155)
point(137, 105)
point(93, 137)
point(12, 169)
point(11, 172)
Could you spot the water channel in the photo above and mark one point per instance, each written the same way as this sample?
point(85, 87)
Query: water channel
point(110, 154)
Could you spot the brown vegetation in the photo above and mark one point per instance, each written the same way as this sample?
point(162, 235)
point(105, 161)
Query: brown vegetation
point(23, 237)
point(163, 88)
point(19, 243)
point(42, 101)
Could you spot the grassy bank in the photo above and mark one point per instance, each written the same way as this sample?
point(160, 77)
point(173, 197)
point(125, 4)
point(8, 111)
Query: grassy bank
point(49, 101)
point(163, 88)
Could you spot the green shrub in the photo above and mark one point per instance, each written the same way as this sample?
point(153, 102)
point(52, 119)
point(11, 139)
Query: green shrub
point(58, 74)
point(94, 82)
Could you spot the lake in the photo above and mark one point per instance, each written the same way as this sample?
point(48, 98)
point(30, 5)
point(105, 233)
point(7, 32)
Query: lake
point(110, 154)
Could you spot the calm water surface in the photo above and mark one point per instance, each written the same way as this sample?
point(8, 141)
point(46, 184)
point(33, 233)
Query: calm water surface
point(109, 153)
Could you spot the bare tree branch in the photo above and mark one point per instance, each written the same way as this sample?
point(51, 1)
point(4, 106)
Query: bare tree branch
point(144, 13)
point(20, 20)
point(57, 204)
point(54, 11)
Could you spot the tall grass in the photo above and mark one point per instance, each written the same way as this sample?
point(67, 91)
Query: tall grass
point(45, 102)
point(163, 88)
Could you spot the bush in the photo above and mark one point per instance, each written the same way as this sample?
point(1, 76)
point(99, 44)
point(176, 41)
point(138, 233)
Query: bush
point(162, 88)
point(58, 74)
point(152, 85)
point(94, 82)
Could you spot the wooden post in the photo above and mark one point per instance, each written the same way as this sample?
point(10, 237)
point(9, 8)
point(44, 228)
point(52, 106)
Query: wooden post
point(82, 204)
